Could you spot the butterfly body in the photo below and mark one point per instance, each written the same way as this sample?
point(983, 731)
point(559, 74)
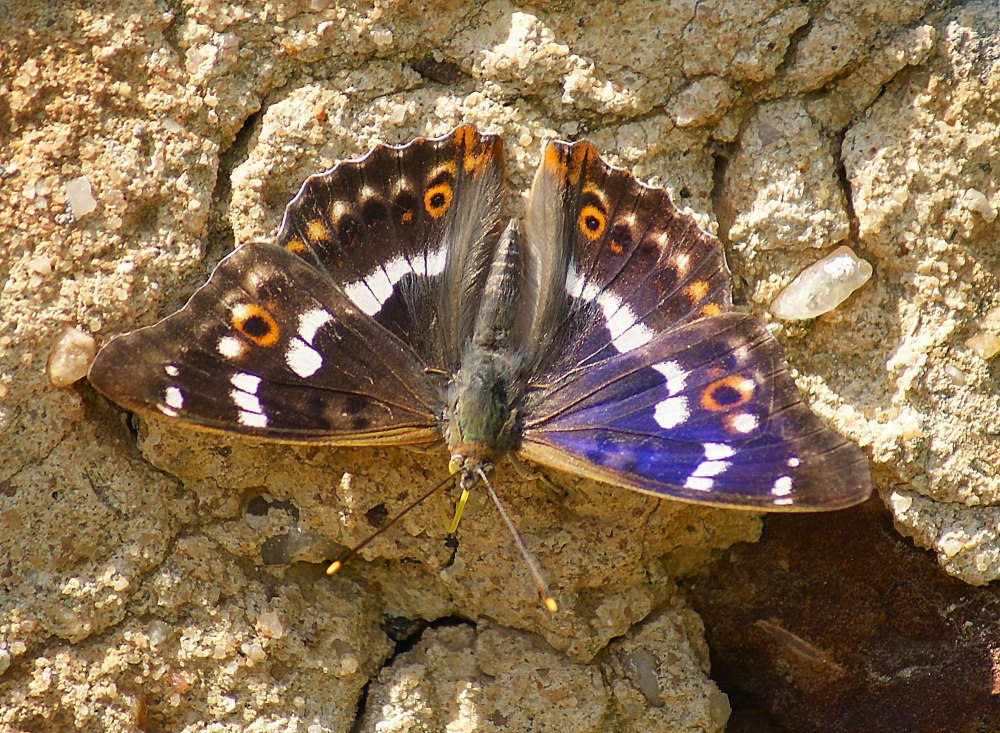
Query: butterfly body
point(485, 395)
point(596, 336)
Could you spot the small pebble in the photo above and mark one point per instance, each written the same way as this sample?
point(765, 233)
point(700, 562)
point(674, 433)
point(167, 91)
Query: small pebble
point(80, 198)
point(977, 201)
point(822, 286)
point(70, 357)
point(985, 345)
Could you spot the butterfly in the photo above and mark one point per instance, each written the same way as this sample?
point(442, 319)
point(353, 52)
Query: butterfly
point(399, 306)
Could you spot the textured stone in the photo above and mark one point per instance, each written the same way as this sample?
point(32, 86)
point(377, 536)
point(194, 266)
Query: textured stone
point(163, 596)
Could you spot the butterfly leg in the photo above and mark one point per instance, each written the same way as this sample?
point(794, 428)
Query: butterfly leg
point(531, 475)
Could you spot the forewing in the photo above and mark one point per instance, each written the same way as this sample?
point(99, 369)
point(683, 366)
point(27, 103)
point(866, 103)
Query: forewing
point(609, 262)
point(269, 347)
point(407, 232)
point(706, 413)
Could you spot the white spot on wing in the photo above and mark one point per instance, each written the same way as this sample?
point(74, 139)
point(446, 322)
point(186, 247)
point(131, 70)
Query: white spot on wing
point(717, 451)
point(252, 419)
point(338, 209)
point(303, 359)
point(675, 376)
point(627, 333)
point(249, 383)
point(371, 293)
point(362, 297)
point(312, 321)
point(436, 261)
point(171, 370)
point(671, 412)
point(744, 423)
point(782, 486)
point(782, 502)
point(699, 483)
point(246, 401)
point(710, 468)
point(380, 285)
point(173, 397)
point(575, 284)
point(397, 268)
point(230, 347)
point(793, 462)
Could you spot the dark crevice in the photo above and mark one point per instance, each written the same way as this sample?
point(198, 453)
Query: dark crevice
point(413, 632)
point(220, 239)
point(172, 31)
point(233, 156)
point(725, 215)
point(441, 72)
point(845, 186)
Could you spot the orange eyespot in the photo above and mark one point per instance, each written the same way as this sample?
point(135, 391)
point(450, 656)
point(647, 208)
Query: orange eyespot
point(437, 199)
point(727, 393)
point(592, 222)
point(256, 324)
point(711, 309)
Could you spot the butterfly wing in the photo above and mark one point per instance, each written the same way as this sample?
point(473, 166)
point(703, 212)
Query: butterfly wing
point(609, 262)
point(706, 412)
point(269, 347)
point(407, 232)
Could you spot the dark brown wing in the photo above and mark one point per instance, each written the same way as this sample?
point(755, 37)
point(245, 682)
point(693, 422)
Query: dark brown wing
point(268, 347)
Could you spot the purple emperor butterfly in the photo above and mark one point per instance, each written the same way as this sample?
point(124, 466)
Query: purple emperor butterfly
point(399, 307)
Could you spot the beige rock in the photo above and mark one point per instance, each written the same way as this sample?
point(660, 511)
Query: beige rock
point(150, 585)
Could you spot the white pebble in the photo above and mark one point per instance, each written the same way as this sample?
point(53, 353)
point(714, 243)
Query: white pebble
point(977, 201)
point(900, 503)
point(70, 357)
point(81, 200)
point(822, 286)
point(270, 625)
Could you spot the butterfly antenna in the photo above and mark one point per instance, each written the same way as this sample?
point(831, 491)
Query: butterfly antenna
point(532, 562)
point(336, 565)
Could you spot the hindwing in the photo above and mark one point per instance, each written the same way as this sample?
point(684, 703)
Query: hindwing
point(706, 412)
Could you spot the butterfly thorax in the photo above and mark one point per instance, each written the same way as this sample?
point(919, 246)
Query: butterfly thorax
point(481, 423)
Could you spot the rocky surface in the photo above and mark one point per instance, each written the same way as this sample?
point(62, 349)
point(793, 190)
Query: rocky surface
point(160, 579)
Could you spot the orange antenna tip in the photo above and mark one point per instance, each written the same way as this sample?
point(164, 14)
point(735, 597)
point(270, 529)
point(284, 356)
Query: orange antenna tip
point(334, 567)
point(550, 604)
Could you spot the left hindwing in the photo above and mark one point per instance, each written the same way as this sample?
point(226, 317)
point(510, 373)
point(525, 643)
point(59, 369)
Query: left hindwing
point(706, 412)
point(269, 347)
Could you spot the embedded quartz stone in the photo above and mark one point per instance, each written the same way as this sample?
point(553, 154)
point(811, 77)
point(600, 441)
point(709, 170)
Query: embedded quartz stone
point(822, 286)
